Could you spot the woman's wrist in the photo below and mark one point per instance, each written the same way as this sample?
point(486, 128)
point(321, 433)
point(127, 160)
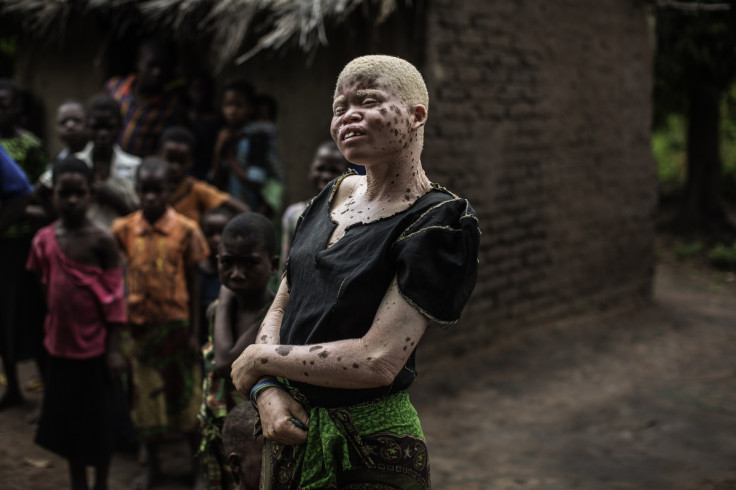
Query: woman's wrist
point(263, 385)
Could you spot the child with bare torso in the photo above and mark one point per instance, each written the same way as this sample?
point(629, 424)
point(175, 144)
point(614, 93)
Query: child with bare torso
point(247, 259)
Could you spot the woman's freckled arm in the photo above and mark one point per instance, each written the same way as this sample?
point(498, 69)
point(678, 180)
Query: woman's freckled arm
point(269, 333)
point(368, 362)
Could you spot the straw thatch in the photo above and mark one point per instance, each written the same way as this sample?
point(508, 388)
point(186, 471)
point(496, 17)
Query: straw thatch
point(269, 24)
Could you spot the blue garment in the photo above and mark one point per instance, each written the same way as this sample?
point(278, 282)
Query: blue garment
point(13, 181)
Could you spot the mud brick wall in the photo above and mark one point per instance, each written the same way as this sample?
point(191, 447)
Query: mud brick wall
point(539, 114)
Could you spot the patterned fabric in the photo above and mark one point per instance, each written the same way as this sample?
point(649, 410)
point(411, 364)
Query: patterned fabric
point(167, 380)
point(193, 197)
point(144, 120)
point(28, 152)
point(373, 445)
point(13, 181)
point(82, 299)
point(220, 396)
point(157, 258)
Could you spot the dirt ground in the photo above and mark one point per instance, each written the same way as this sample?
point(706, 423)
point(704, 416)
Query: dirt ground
point(638, 398)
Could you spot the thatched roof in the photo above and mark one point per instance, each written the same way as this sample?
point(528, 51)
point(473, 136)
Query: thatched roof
point(271, 24)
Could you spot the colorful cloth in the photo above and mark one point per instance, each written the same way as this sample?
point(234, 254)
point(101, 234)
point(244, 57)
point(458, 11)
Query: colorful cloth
point(144, 120)
point(82, 299)
point(220, 396)
point(374, 445)
point(193, 197)
point(13, 181)
point(158, 256)
point(167, 380)
point(29, 154)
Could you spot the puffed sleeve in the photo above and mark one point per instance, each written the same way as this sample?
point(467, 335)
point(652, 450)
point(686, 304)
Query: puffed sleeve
point(436, 260)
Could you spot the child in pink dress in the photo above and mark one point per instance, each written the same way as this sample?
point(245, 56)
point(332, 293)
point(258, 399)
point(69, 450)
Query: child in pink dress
point(79, 266)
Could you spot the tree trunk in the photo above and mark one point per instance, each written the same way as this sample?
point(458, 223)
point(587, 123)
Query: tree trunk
point(703, 210)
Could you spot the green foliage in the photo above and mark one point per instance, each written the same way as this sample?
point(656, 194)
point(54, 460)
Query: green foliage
point(669, 147)
point(688, 250)
point(723, 256)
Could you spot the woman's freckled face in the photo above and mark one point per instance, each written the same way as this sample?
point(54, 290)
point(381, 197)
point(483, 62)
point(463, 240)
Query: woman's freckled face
point(362, 122)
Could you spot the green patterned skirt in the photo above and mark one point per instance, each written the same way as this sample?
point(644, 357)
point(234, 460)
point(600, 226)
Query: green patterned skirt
point(378, 445)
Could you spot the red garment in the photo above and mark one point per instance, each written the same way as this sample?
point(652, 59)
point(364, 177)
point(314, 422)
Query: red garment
point(82, 299)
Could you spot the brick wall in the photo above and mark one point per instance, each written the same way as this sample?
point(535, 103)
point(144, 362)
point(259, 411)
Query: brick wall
point(539, 114)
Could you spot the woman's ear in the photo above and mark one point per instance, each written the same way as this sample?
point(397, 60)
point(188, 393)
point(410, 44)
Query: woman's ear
point(420, 116)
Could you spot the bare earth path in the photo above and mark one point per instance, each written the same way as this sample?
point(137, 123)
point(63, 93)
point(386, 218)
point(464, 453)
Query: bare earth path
point(639, 399)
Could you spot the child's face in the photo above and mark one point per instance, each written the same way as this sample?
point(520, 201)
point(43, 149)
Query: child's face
point(72, 196)
point(212, 227)
point(71, 124)
point(8, 108)
point(328, 164)
point(236, 108)
point(180, 158)
point(152, 187)
point(244, 265)
point(104, 127)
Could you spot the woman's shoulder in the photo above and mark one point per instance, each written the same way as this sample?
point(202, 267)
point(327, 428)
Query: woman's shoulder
point(441, 207)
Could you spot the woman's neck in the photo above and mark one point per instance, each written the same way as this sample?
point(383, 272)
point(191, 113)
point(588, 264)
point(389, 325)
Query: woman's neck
point(396, 182)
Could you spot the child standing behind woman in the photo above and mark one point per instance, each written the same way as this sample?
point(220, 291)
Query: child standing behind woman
point(247, 258)
point(79, 267)
point(162, 249)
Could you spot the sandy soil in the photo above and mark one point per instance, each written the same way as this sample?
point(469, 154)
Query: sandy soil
point(637, 398)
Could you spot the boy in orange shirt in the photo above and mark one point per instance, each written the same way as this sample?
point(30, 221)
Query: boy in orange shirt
point(191, 197)
point(162, 249)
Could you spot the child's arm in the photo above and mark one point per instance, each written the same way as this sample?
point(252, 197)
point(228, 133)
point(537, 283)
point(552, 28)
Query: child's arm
point(192, 279)
point(223, 149)
point(227, 347)
point(106, 194)
point(236, 206)
point(114, 358)
point(110, 259)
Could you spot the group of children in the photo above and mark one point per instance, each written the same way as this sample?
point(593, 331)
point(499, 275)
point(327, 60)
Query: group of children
point(133, 261)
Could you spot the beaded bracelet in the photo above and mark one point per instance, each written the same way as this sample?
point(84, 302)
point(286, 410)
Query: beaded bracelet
point(260, 386)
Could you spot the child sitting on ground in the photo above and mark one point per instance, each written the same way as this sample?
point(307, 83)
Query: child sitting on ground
point(162, 249)
point(191, 197)
point(243, 450)
point(247, 258)
point(80, 269)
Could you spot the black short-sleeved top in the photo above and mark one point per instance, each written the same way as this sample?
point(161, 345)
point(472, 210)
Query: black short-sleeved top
point(431, 247)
